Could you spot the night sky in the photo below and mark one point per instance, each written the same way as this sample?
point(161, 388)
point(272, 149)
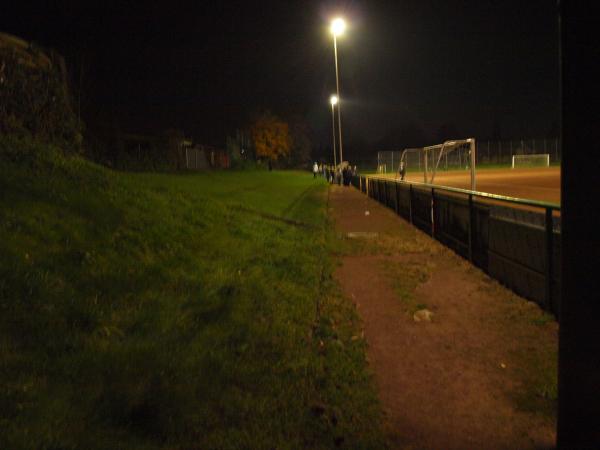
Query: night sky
point(410, 70)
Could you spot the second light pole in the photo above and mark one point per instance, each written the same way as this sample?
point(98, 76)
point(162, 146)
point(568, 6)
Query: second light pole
point(337, 28)
point(333, 100)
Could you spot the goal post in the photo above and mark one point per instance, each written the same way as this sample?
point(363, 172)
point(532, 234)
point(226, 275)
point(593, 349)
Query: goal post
point(456, 155)
point(533, 160)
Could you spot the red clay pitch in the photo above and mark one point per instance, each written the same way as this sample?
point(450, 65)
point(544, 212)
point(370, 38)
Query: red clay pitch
point(541, 184)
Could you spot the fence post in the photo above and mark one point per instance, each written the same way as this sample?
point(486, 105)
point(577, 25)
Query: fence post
point(471, 227)
point(432, 213)
point(397, 203)
point(549, 262)
point(387, 194)
point(410, 202)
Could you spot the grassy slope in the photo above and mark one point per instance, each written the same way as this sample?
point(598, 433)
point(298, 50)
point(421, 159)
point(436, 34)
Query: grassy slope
point(172, 311)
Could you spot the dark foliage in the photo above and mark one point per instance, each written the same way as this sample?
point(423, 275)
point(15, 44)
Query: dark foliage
point(34, 96)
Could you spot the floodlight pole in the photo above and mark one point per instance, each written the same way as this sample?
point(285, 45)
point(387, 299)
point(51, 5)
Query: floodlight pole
point(333, 132)
point(337, 85)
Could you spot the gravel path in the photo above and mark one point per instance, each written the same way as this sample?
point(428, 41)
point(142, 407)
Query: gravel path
point(480, 374)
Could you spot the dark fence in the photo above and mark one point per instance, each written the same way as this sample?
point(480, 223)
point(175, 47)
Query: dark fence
point(515, 241)
point(501, 152)
point(488, 153)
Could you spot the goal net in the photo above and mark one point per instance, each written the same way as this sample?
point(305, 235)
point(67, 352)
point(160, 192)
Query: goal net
point(457, 155)
point(538, 160)
point(382, 168)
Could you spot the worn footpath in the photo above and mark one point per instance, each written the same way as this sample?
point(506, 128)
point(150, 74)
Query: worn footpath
point(459, 361)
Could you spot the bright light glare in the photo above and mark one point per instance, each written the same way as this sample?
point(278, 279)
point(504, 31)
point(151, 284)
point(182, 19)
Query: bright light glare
point(338, 26)
point(333, 100)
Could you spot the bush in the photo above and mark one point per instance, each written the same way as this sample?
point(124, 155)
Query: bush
point(34, 97)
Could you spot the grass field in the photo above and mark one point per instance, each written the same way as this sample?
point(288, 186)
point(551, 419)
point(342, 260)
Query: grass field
point(533, 183)
point(147, 311)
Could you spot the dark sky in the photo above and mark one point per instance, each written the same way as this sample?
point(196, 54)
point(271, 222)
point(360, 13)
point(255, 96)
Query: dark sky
point(477, 68)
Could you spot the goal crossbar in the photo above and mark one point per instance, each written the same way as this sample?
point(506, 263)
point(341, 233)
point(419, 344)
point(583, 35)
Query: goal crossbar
point(539, 159)
point(435, 153)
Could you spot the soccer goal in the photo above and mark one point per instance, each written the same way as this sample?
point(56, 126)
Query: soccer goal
point(457, 155)
point(537, 160)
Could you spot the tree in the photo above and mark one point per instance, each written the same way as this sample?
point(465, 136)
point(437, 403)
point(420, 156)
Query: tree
point(34, 95)
point(271, 136)
point(301, 145)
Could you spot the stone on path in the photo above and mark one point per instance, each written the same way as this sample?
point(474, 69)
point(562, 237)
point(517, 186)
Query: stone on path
point(423, 315)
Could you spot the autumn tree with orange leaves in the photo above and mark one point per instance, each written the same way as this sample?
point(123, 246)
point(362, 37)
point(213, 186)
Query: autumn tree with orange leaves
point(271, 136)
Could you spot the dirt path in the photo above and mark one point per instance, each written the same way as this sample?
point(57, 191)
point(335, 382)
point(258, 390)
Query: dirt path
point(481, 374)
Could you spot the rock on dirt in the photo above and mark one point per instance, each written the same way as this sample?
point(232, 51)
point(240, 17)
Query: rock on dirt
point(423, 315)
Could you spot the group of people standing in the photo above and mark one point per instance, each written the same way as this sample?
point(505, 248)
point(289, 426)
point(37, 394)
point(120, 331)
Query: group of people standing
point(340, 174)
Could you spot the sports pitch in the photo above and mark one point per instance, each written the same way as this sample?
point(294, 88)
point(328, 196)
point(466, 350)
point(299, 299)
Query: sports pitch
point(540, 183)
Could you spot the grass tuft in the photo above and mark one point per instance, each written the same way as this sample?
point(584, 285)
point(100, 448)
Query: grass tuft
point(406, 278)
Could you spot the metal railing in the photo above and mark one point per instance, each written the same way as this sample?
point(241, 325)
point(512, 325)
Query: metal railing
point(515, 241)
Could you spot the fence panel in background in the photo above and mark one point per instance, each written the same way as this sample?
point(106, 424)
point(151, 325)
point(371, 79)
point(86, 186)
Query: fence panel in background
point(518, 247)
point(501, 152)
point(195, 159)
point(498, 152)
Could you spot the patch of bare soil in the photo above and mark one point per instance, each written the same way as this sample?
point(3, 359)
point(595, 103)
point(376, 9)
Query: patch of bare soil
point(480, 374)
